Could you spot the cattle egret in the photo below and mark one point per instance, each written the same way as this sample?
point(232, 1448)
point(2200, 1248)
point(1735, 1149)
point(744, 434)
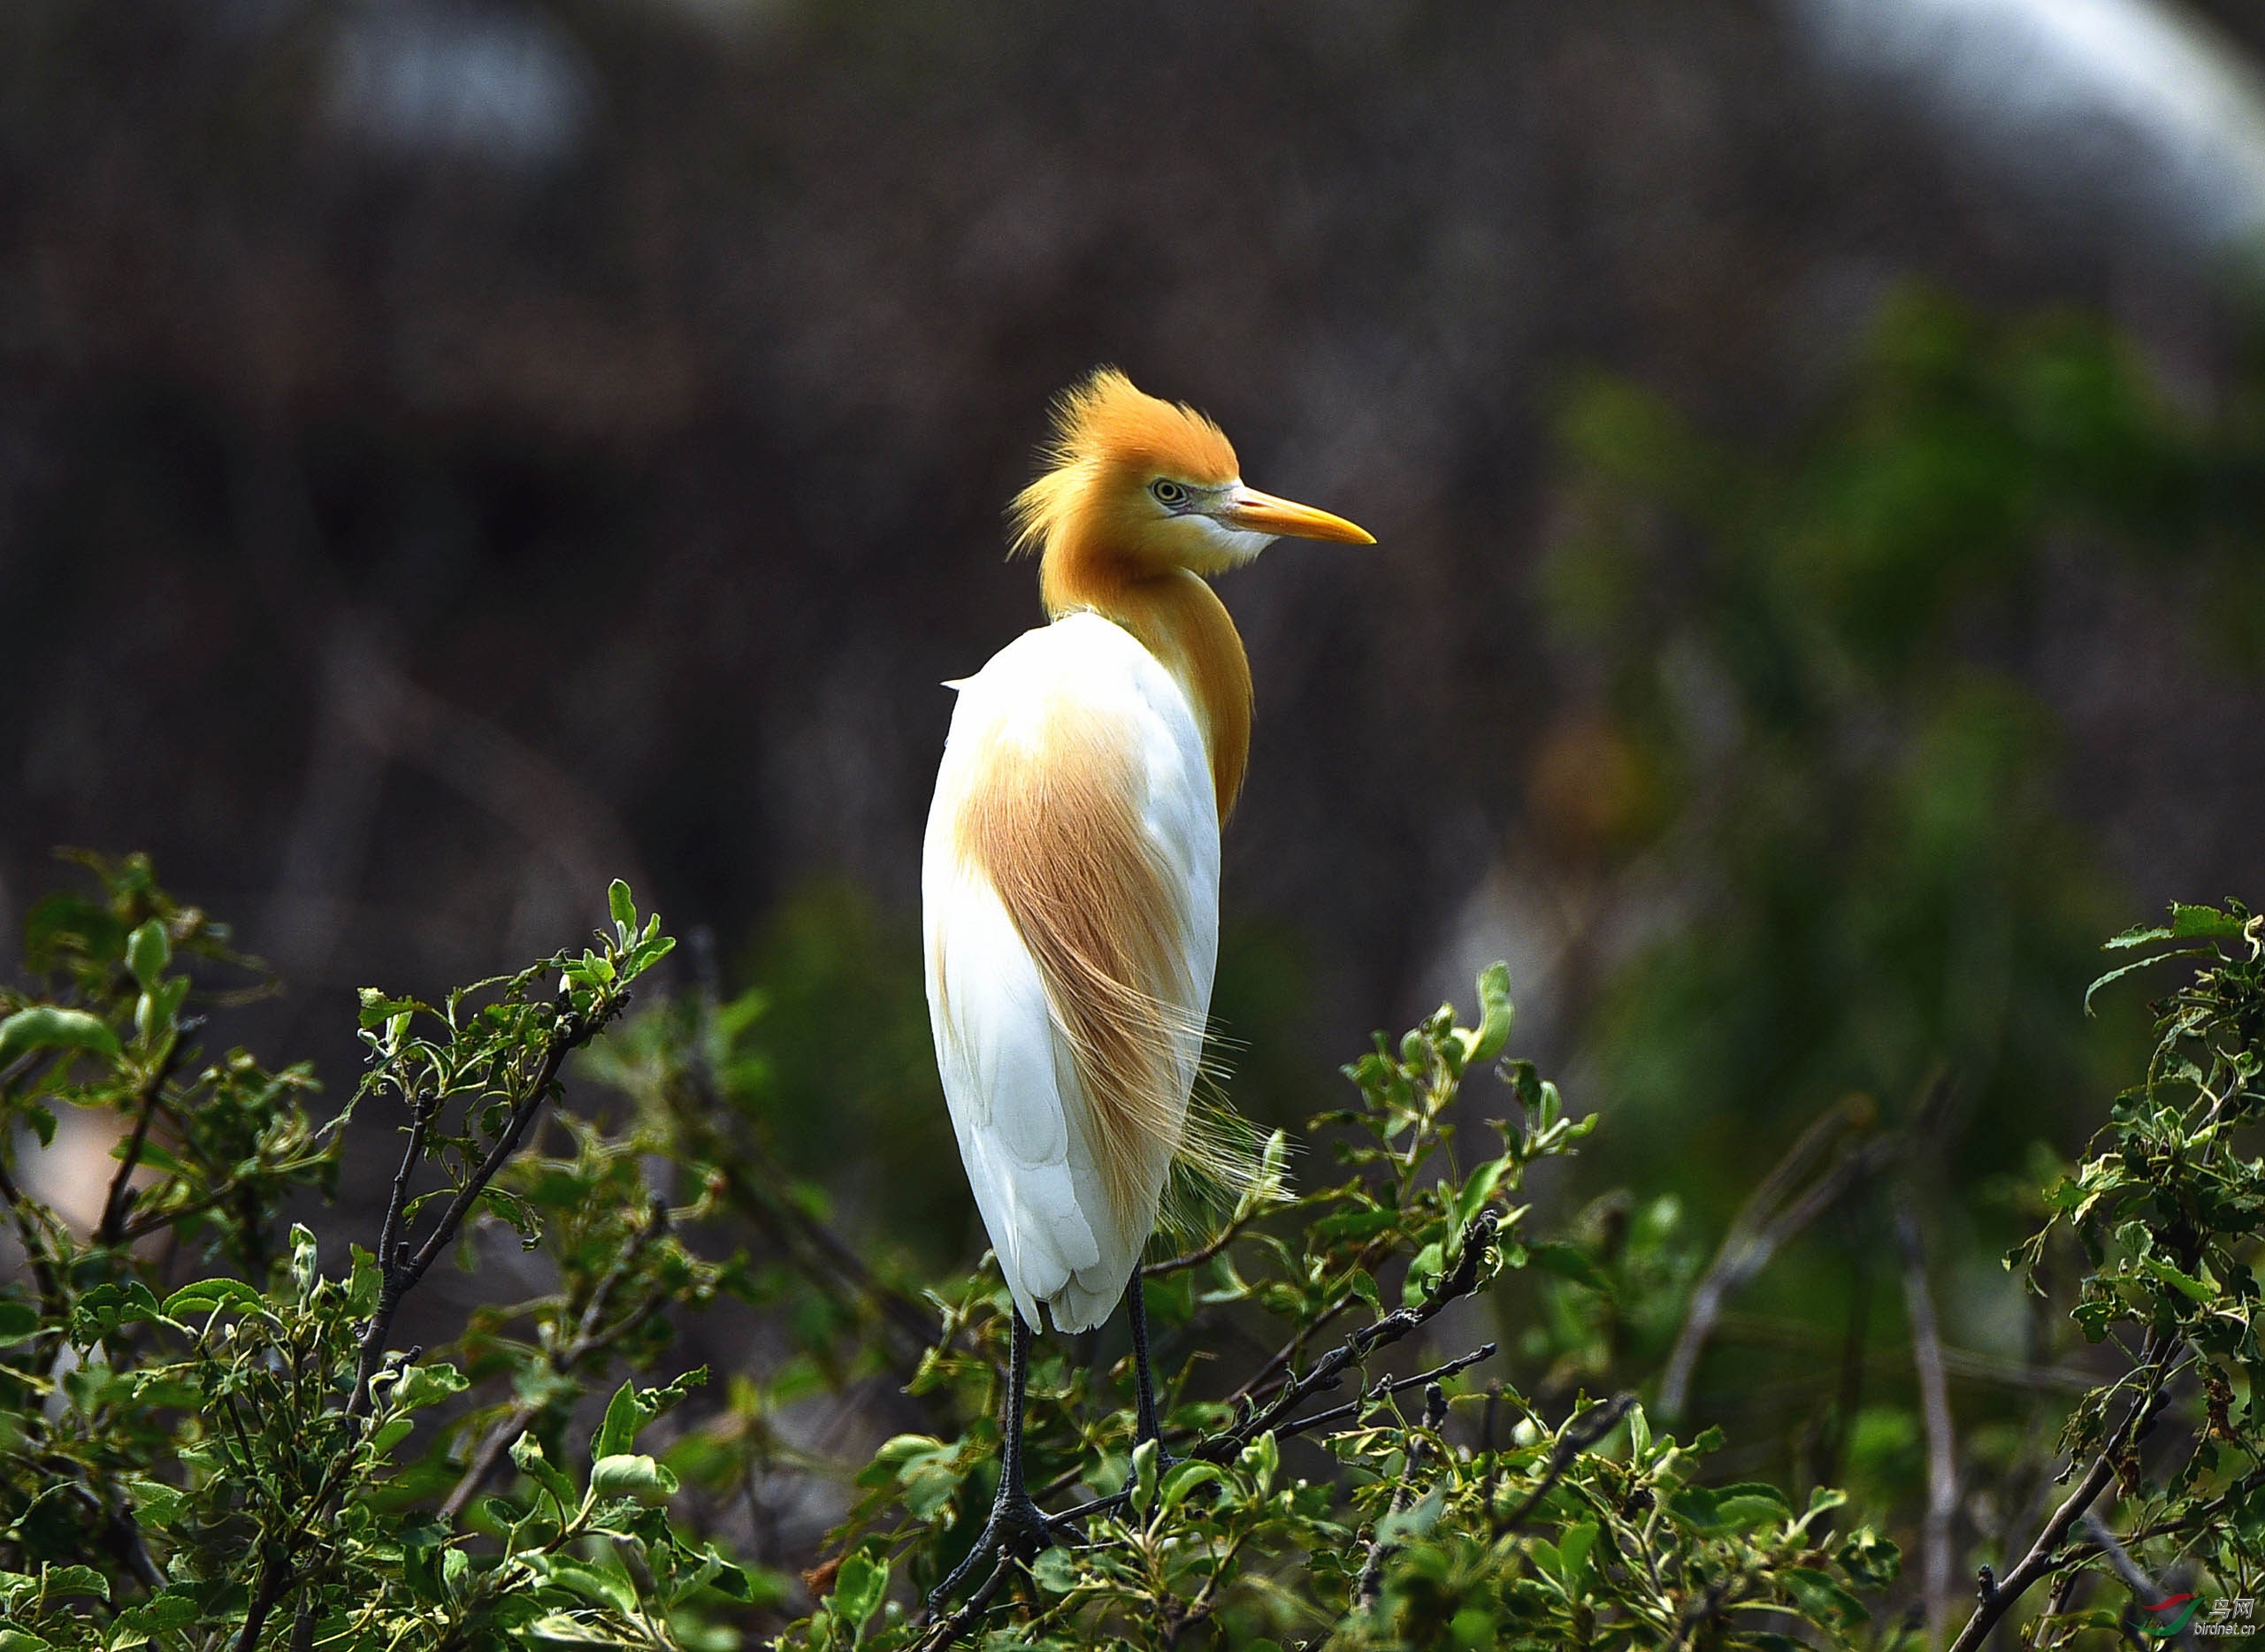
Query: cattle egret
point(1070, 874)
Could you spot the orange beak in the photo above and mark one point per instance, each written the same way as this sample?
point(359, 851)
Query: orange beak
point(1262, 513)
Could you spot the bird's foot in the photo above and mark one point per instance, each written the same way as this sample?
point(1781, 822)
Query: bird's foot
point(1017, 1526)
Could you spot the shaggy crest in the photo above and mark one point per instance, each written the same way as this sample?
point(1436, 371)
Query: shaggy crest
point(1107, 428)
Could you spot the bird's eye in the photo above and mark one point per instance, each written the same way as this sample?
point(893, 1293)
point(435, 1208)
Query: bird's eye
point(1168, 493)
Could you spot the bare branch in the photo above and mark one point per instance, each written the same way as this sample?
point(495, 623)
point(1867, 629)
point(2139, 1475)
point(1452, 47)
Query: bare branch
point(1578, 1434)
point(1327, 1373)
point(952, 1627)
point(2039, 1559)
point(1934, 1405)
point(1381, 1548)
point(120, 1199)
point(1385, 1390)
point(1773, 1214)
point(588, 1339)
point(568, 1033)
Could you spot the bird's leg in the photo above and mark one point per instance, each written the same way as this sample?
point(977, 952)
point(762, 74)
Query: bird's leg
point(1014, 1518)
point(1144, 1376)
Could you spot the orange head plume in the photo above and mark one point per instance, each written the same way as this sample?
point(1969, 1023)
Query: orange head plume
point(1153, 485)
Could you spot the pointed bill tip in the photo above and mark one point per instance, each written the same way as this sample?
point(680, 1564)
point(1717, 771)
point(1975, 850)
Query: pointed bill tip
point(1263, 513)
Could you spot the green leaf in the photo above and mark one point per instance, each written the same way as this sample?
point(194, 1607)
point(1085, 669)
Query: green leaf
point(509, 1207)
point(1363, 1286)
point(103, 1308)
point(209, 1296)
point(305, 1259)
point(1870, 1559)
point(527, 1453)
point(2117, 974)
point(622, 908)
point(560, 1629)
point(148, 950)
point(1822, 1598)
point(635, 1476)
point(1184, 1478)
point(859, 1587)
point(18, 1320)
point(1144, 1486)
point(1495, 1015)
point(378, 1009)
point(60, 1580)
point(1730, 1508)
point(176, 1607)
point(1355, 1225)
point(2187, 923)
point(603, 1588)
point(364, 1282)
point(428, 1384)
point(1573, 1551)
point(1480, 1187)
point(623, 1418)
point(1054, 1571)
point(1259, 1459)
point(45, 1026)
point(735, 1582)
point(2186, 1284)
point(1423, 1275)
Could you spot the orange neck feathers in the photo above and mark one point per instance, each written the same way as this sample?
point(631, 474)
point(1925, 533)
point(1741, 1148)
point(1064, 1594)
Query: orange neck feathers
point(1102, 550)
point(1179, 619)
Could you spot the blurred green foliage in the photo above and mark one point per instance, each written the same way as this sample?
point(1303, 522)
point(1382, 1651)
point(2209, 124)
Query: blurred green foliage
point(1833, 810)
point(1847, 794)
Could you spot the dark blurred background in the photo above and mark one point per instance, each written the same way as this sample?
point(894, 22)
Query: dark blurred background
point(454, 453)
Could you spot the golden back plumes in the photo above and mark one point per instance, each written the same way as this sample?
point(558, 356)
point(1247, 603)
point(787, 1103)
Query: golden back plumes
point(1108, 434)
point(1055, 827)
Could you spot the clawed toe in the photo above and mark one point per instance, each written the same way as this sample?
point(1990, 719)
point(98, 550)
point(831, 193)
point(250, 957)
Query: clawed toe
point(1017, 1526)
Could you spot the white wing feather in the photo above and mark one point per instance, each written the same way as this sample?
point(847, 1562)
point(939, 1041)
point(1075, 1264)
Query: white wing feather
point(1008, 1073)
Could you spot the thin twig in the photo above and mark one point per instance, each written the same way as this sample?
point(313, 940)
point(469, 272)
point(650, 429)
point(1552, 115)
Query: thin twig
point(1381, 1547)
point(1577, 1436)
point(2145, 1590)
point(2064, 1588)
point(2039, 1560)
point(1204, 1253)
point(1327, 1373)
point(950, 1628)
point(1328, 1370)
point(120, 1199)
point(1384, 1390)
point(586, 1340)
point(51, 1299)
point(403, 1267)
point(755, 1178)
point(567, 1034)
point(1771, 1216)
point(1934, 1405)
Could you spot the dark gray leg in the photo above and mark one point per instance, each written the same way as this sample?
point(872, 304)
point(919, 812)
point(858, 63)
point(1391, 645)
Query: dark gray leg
point(1144, 1376)
point(1014, 1518)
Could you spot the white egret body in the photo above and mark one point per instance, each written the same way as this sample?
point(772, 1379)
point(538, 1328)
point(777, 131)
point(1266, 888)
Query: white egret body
point(1025, 1119)
point(1069, 879)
